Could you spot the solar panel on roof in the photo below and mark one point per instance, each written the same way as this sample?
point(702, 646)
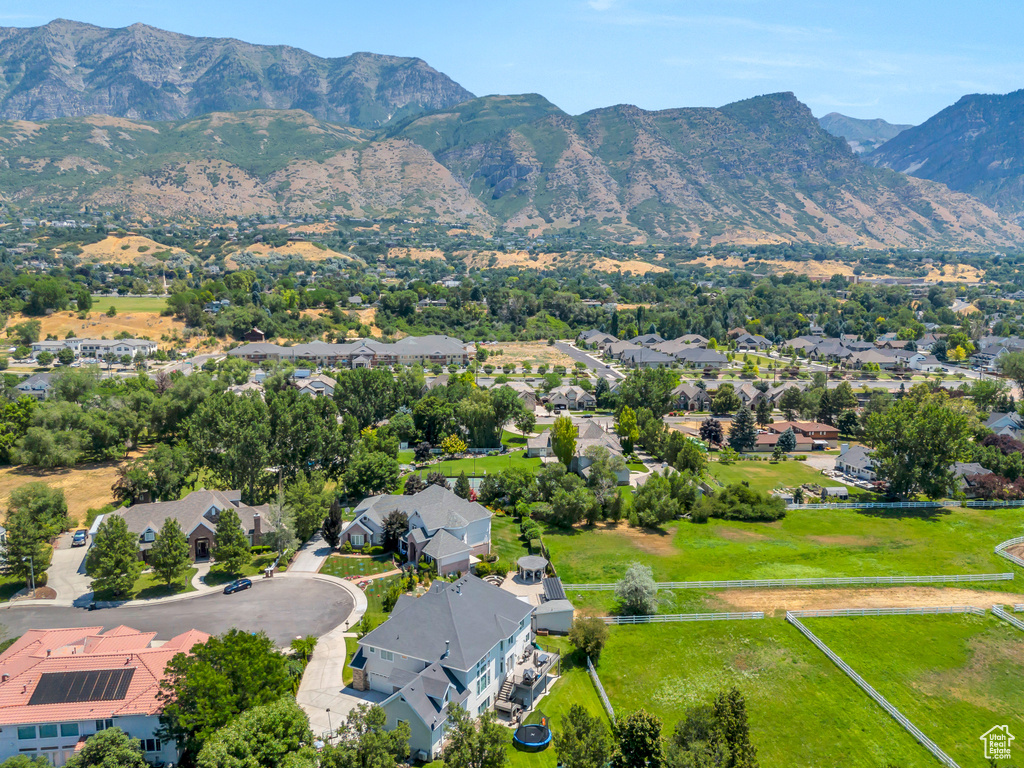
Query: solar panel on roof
point(553, 589)
point(75, 687)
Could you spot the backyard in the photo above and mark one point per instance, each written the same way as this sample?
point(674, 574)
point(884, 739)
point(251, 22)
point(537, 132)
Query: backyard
point(804, 544)
point(953, 676)
point(803, 711)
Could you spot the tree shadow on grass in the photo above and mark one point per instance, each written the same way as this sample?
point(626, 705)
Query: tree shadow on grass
point(160, 590)
point(928, 514)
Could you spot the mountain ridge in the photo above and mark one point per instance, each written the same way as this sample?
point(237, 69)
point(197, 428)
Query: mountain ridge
point(863, 135)
point(68, 68)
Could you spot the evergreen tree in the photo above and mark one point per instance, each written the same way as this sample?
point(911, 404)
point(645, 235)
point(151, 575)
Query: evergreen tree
point(231, 546)
point(731, 715)
point(113, 560)
point(563, 439)
point(639, 741)
point(787, 440)
point(742, 433)
point(790, 402)
point(169, 556)
point(462, 487)
point(711, 431)
point(764, 412)
point(333, 524)
point(583, 741)
point(26, 551)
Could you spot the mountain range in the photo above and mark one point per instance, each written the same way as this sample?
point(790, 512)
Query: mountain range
point(203, 128)
point(863, 136)
point(974, 146)
point(66, 69)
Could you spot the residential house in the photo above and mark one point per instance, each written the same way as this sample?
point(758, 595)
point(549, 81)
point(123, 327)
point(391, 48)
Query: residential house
point(821, 435)
point(254, 334)
point(691, 398)
point(443, 528)
point(467, 643)
point(37, 386)
point(588, 435)
point(643, 357)
point(316, 386)
point(766, 442)
point(647, 340)
point(927, 363)
point(749, 342)
point(98, 348)
point(856, 462)
point(364, 353)
point(698, 357)
point(61, 686)
point(1006, 424)
point(526, 393)
point(615, 349)
point(594, 336)
point(575, 398)
point(198, 514)
point(968, 474)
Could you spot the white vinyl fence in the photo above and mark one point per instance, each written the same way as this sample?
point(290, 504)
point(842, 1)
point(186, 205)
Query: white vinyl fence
point(927, 611)
point(826, 581)
point(986, 504)
point(600, 690)
point(1000, 611)
point(898, 716)
point(662, 618)
point(1001, 550)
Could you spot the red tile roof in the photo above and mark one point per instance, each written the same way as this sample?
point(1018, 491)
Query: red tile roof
point(45, 651)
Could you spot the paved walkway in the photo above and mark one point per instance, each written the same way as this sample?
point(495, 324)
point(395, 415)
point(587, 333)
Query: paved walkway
point(322, 692)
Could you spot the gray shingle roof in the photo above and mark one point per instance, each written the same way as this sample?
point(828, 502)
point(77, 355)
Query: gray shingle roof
point(443, 544)
point(190, 511)
point(469, 614)
point(437, 507)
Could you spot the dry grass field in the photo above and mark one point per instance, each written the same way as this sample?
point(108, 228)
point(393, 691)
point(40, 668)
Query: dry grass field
point(85, 486)
point(125, 250)
point(97, 325)
point(533, 352)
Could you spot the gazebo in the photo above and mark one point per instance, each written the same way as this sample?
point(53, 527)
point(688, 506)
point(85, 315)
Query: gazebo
point(531, 567)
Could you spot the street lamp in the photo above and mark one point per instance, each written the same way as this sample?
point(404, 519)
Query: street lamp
point(31, 571)
point(330, 726)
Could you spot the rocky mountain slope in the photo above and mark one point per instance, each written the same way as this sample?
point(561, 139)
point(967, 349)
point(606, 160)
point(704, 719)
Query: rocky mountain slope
point(863, 136)
point(974, 146)
point(66, 69)
point(760, 170)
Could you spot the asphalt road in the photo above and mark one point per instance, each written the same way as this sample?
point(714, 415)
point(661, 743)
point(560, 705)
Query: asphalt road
point(582, 357)
point(283, 607)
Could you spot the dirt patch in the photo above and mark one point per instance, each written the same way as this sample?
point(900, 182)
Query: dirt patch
point(651, 542)
point(85, 486)
point(299, 249)
point(734, 535)
point(781, 600)
point(416, 254)
point(848, 541)
point(97, 325)
point(533, 352)
point(1017, 551)
point(630, 265)
point(126, 250)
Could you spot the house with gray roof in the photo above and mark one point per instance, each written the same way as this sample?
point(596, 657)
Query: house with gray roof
point(445, 529)
point(643, 357)
point(690, 397)
point(37, 386)
point(856, 462)
point(699, 357)
point(467, 643)
point(198, 514)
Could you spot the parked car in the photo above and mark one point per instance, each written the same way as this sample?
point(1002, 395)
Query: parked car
point(237, 586)
point(80, 539)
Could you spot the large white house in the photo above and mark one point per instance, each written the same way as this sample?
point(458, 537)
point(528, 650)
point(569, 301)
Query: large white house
point(467, 643)
point(98, 348)
point(443, 528)
point(60, 686)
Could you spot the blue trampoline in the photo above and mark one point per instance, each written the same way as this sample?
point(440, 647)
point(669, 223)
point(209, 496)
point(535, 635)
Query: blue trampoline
point(533, 738)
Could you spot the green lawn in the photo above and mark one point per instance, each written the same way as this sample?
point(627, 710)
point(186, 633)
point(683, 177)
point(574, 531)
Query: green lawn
point(343, 565)
point(573, 687)
point(802, 710)
point(804, 544)
point(9, 586)
point(506, 542)
point(351, 646)
point(484, 465)
point(406, 457)
point(220, 575)
point(953, 676)
point(128, 304)
point(766, 476)
point(149, 586)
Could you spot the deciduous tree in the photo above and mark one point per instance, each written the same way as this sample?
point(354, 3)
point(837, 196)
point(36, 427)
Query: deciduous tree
point(563, 439)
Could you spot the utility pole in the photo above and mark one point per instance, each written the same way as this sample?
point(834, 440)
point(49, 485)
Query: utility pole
point(32, 572)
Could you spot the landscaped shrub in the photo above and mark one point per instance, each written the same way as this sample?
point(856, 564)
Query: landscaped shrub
point(376, 551)
point(740, 502)
point(260, 549)
point(346, 548)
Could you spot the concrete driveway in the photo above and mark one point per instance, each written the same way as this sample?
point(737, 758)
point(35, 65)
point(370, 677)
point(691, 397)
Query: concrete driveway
point(285, 608)
point(66, 573)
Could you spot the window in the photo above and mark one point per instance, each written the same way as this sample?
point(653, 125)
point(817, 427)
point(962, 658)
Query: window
point(373, 650)
point(357, 539)
point(26, 732)
point(69, 729)
point(483, 682)
point(148, 536)
point(48, 731)
point(386, 655)
point(104, 724)
point(150, 745)
point(483, 706)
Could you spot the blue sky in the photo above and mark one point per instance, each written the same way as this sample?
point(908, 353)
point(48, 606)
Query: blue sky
point(902, 60)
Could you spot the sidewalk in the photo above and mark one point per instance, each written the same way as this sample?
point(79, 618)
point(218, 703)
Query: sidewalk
point(322, 688)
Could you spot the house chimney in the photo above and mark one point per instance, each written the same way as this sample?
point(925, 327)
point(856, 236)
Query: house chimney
point(5, 678)
point(447, 646)
point(257, 529)
point(48, 652)
point(844, 448)
point(145, 497)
